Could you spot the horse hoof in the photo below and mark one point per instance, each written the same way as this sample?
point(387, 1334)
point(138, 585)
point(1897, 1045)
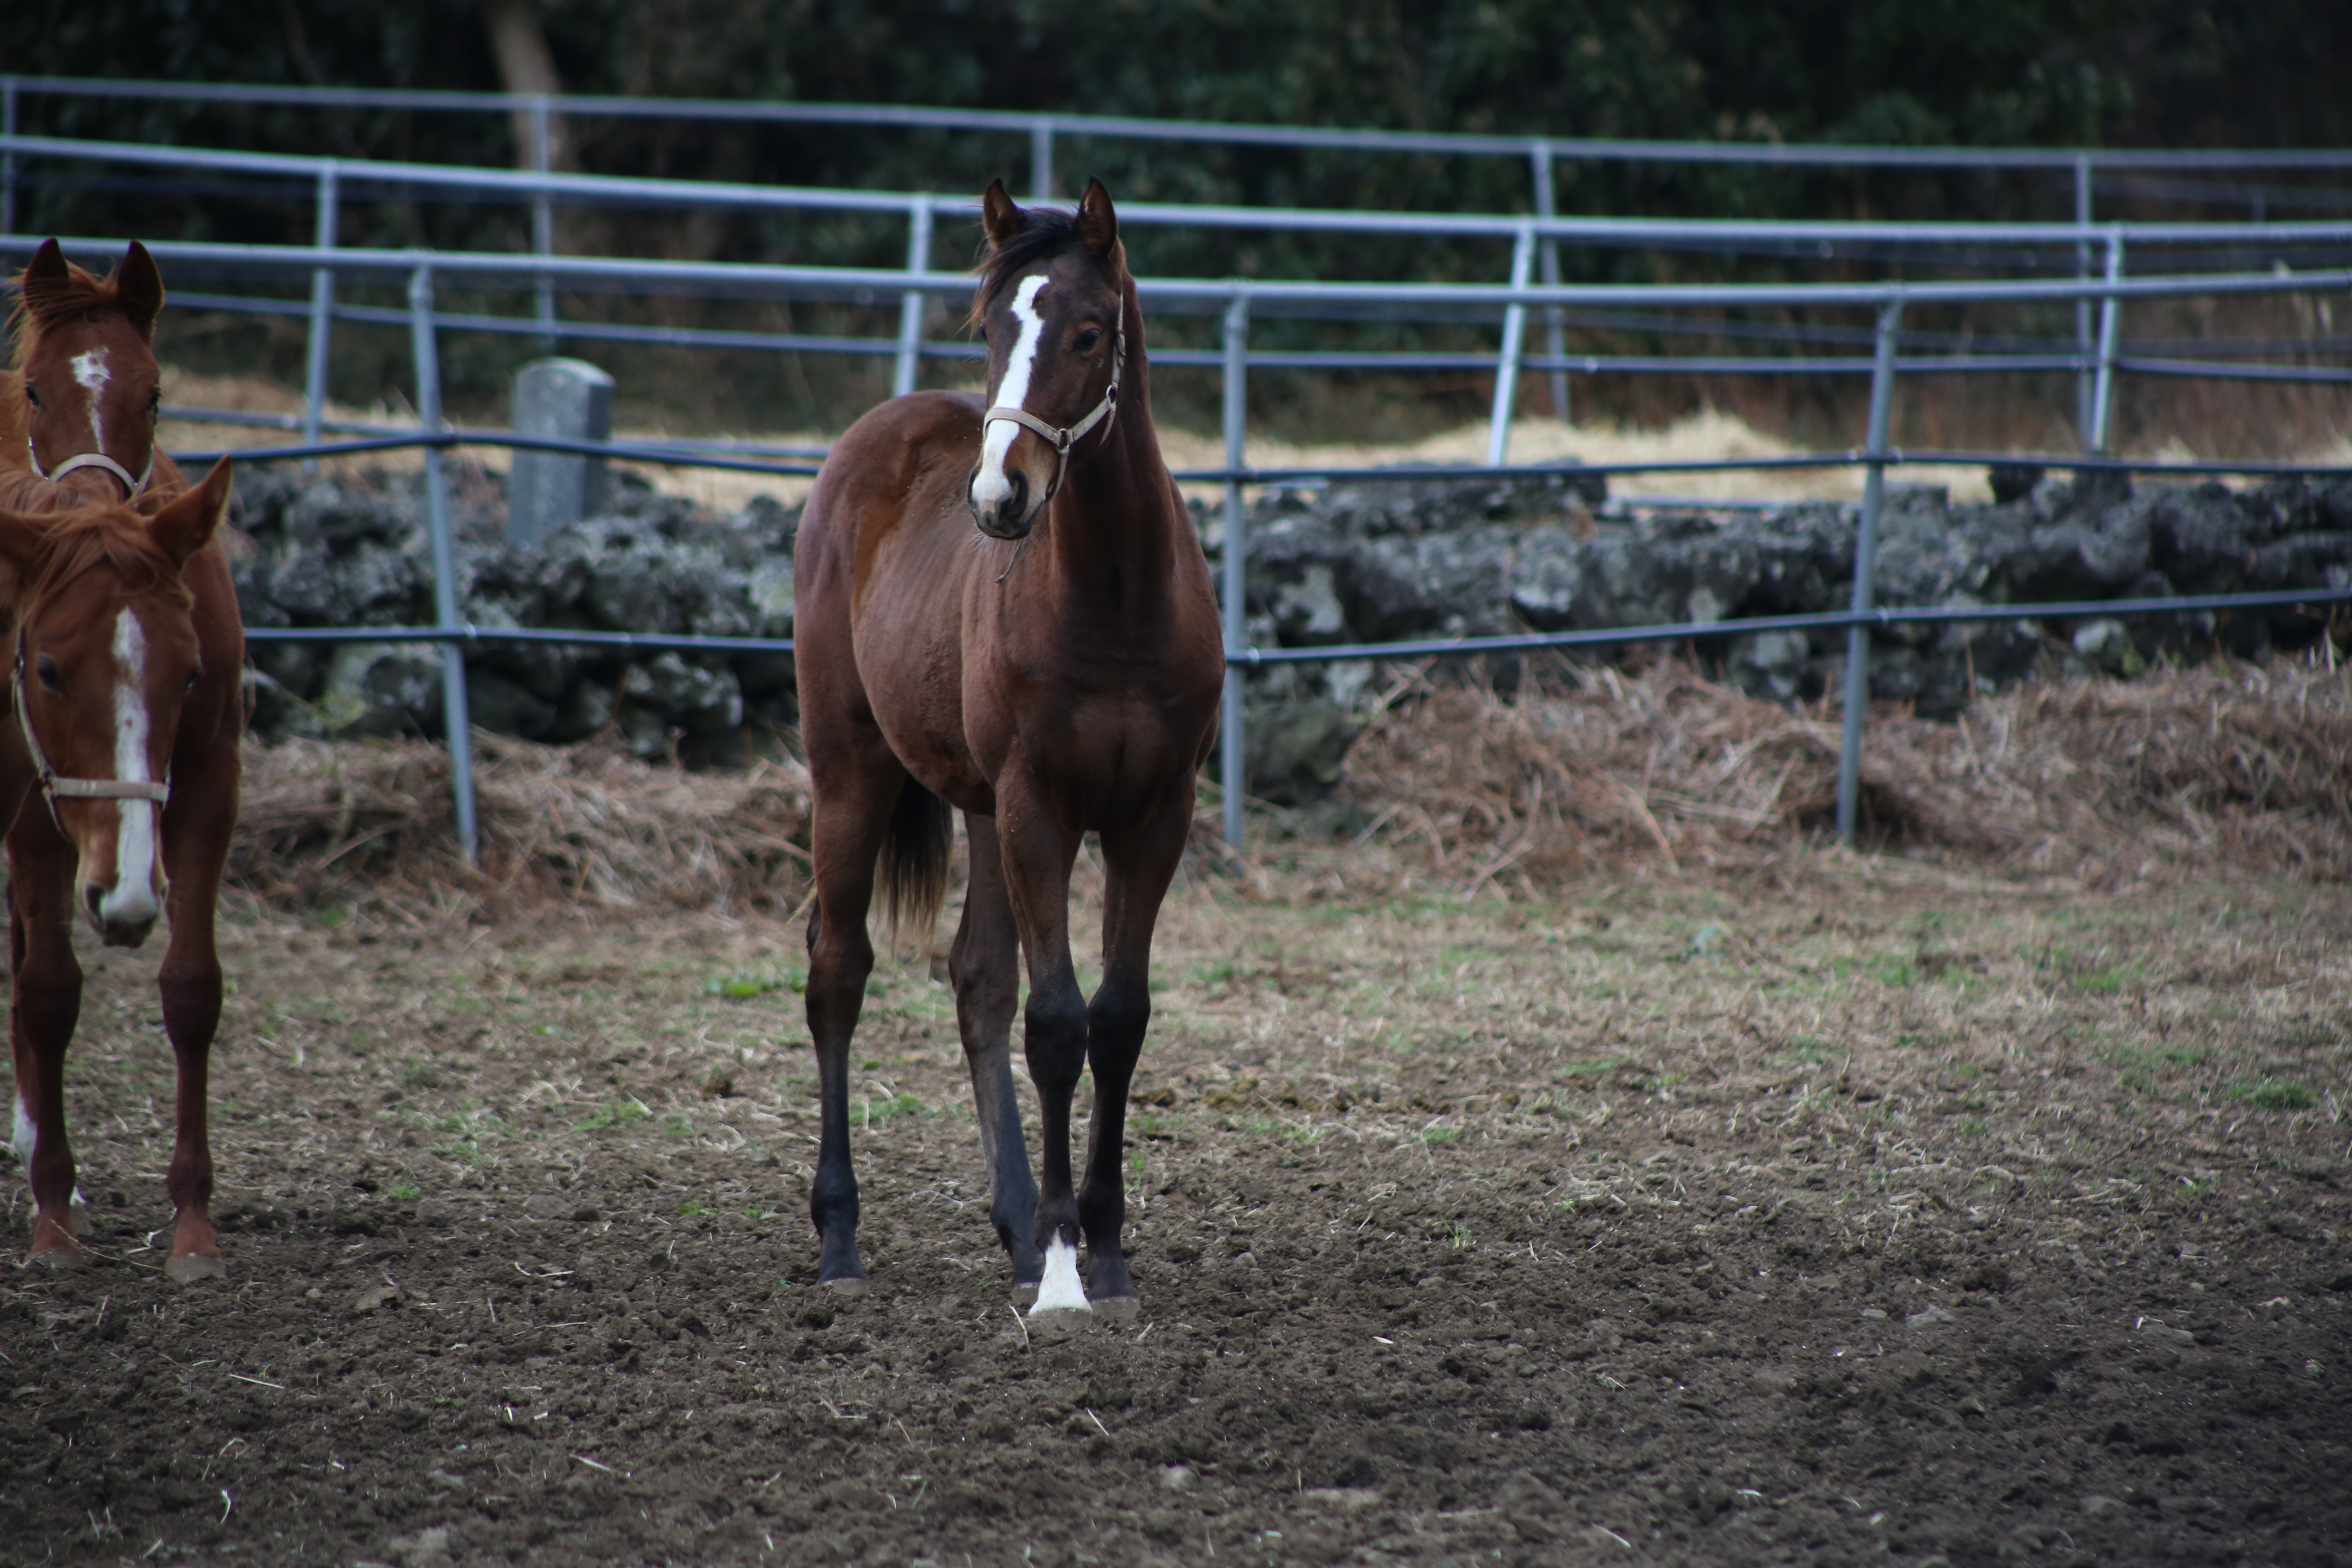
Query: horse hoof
point(60, 1258)
point(196, 1268)
point(1115, 1309)
point(847, 1285)
point(1059, 1322)
point(1024, 1292)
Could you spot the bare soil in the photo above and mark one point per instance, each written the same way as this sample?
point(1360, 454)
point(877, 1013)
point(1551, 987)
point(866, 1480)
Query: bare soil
point(1848, 1207)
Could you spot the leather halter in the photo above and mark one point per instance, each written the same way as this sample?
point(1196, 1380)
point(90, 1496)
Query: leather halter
point(53, 784)
point(1062, 440)
point(92, 460)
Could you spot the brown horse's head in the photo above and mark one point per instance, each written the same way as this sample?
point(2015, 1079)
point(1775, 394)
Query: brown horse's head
point(90, 383)
point(1051, 306)
point(105, 652)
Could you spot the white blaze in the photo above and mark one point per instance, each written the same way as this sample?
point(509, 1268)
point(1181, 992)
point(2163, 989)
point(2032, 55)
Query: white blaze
point(991, 486)
point(89, 371)
point(132, 897)
point(1061, 1291)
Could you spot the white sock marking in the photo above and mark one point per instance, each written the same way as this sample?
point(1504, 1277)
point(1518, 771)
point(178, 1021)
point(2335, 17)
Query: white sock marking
point(993, 486)
point(132, 897)
point(29, 1137)
point(1061, 1291)
point(89, 371)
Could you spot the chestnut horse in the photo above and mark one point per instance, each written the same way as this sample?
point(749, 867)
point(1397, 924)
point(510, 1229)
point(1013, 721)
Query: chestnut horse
point(118, 759)
point(1054, 673)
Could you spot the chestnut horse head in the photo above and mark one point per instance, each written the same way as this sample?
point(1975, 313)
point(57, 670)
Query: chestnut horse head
point(104, 654)
point(83, 405)
point(1051, 306)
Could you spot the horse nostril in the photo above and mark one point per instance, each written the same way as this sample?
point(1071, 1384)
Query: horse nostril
point(93, 896)
point(1017, 504)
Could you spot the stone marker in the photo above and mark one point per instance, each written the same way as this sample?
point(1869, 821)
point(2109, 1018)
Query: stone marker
point(571, 399)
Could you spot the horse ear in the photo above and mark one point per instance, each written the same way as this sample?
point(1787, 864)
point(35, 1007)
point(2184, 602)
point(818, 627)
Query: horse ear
point(1000, 216)
point(45, 278)
point(139, 289)
point(1098, 224)
point(187, 523)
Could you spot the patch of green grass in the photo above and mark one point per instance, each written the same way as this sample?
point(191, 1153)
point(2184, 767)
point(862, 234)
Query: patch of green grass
point(694, 1208)
point(2110, 982)
point(1211, 971)
point(884, 1107)
point(1809, 1049)
point(619, 1112)
point(1591, 1068)
point(418, 1075)
point(1436, 1133)
point(464, 1132)
point(676, 1125)
point(755, 982)
point(405, 1191)
point(1150, 1124)
point(1973, 1127)
point(2272, 1093)
point(1458, 1233)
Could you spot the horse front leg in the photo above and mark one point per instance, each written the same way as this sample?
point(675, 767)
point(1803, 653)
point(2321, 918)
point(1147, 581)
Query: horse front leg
point(1140, 864)
point(197, 828)
point(985, 965)
point(45, 1005)
point(1037, 855)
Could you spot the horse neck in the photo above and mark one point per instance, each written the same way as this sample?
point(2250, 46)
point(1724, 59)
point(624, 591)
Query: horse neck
point(1113, 530)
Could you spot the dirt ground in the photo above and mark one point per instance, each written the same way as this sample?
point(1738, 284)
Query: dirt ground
point(1854, 1208)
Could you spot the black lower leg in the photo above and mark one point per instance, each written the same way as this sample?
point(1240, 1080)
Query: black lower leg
point(1115, 1024)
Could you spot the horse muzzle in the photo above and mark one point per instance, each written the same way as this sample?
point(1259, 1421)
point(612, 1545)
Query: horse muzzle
point(1010, 516)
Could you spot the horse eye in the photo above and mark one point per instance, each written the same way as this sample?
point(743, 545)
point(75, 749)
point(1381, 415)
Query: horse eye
point(193, 675)
point(32, 394)
point(46, 668)
point(1087, 339)
point(155, 400)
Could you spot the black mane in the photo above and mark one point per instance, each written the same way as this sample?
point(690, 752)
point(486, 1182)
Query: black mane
point(1047, 232)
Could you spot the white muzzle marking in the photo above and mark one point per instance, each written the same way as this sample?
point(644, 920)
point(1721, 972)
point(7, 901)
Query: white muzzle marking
point(131, 900)
point(990, 486)
point(1061, 1291)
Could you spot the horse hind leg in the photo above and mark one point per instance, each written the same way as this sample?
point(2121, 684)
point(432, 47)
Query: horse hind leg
point(195, 850)
point(855, 817)
point(985, 964)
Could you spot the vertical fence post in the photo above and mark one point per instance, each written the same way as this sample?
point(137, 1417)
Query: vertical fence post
point(456, 724)
point(1515, 338)
point(1040, 161)
point(1865, 567)
point(323, 316)
point(543, 215)
point(908, 372)
point(1555, 319)
point(2083, 391)
point(8, 159)
point(1233, 776)
point(2103, 393)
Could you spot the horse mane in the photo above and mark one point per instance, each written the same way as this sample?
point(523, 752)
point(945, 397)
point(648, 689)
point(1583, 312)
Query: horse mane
point(72, 544)
point(1047, 232)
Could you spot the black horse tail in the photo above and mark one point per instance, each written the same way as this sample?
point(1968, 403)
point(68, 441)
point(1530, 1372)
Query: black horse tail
point(913, 868)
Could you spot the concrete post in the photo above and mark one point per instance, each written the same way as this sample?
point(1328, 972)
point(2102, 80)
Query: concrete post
point(570, 400)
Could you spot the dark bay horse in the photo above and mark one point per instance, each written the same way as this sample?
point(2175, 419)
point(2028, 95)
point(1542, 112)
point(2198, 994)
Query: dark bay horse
point(1004, 609)
point(119, 755)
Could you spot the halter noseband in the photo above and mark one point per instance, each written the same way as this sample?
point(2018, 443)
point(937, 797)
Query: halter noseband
point(92, 460)
point(1062, 440)
point(52, 784)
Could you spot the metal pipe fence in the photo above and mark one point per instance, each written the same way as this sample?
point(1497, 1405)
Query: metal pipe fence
point(1241, 304)
point(1535, 241)
point(1238, 301)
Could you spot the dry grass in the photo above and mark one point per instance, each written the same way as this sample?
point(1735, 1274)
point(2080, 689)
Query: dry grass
point(2219, 766)
point(2220, 769)
point(585, 824)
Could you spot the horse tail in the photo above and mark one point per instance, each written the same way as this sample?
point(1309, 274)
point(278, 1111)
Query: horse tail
point(913, 868)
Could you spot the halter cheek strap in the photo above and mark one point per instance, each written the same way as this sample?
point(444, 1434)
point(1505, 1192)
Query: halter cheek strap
point(54, 785)
point(92, 460)
point(1061, 439)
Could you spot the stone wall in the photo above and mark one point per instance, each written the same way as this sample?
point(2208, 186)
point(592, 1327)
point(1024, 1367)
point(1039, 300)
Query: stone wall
point(1353, 563)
